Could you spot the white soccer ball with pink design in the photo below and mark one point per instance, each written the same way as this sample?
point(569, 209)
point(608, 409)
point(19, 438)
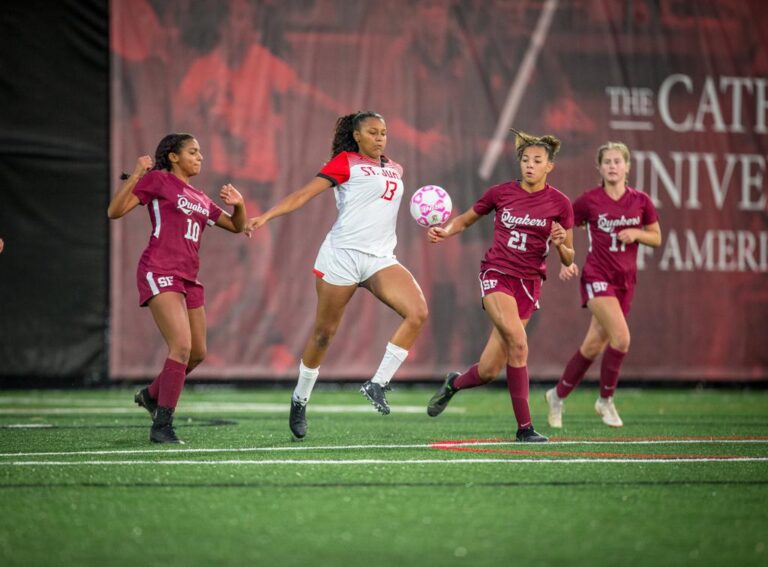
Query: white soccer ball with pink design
point(431, 205)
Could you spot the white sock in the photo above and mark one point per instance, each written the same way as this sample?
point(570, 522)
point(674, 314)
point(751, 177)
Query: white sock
point(307, 377)
point(393, 358)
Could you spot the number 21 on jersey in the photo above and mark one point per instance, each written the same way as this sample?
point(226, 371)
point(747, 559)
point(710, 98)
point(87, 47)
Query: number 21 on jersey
point(517, 240)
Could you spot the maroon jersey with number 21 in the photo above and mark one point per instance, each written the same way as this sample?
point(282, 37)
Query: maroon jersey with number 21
point(522, 227)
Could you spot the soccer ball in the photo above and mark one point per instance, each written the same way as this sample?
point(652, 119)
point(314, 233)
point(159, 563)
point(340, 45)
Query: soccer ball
point(431, 205)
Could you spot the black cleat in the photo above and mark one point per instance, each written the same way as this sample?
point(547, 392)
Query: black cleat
point(143, 399)
point(162, 427)
point(440, 400)
point(297, 420)
point(528, 435)
point(375, 394)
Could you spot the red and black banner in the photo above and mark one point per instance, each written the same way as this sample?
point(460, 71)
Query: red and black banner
point(260, 84)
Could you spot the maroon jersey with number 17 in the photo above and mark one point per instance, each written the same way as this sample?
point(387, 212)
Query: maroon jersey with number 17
point(522, 227)
point(609, 259)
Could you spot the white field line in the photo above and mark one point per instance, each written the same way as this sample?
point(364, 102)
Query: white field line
point(304, 448)
point(378, 461)
point(223, 407)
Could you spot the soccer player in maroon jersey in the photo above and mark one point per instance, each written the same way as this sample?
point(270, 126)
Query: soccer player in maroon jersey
point(618, 219)
point(167, 272)
point(358, 252)
point(530, 216)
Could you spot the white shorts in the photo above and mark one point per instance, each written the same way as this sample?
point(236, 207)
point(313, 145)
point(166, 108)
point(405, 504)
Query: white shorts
point(344, 266)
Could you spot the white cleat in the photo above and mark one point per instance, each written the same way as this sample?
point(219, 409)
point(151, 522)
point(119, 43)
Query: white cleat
point(555, 415)
point(605, 408)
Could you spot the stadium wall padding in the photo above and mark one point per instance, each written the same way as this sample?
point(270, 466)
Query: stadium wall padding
point(54, 162)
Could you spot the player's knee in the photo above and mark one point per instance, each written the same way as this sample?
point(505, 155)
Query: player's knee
point(181, 352)
point(418, 316)
point(196, 358)
point(517, 352)
point(323, 335)
point(593, 347)
point(621, 342)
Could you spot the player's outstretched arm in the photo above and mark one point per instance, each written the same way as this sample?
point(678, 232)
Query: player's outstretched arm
point(459, 224)
point(290, 203)
point(124, 201)
point(237, 220)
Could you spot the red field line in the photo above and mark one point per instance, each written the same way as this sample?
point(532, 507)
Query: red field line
point(454, 445)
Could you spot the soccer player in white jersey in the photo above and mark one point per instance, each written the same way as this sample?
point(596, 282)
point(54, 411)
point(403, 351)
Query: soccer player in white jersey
point(357, 252)
point(167, 272)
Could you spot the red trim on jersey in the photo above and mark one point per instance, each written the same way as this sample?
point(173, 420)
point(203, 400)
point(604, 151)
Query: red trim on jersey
point(318, 273)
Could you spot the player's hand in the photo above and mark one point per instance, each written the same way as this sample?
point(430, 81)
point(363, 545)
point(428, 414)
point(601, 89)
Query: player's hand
point(628, 235)
point(254, 224)
point(437, 234)
point(568, 272)
point(557, 234)
point(230, 195)
point(143, 165)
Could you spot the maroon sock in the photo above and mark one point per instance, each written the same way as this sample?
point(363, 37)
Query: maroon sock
point(470, 379)
point(171, 381)
point(517, 382)
point(574, 371)
point(154, 387)
point(609, 371)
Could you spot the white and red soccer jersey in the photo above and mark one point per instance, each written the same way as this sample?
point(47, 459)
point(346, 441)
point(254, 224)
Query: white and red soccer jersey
point(368, 195)
point(608, 259)
point(179, 215)
point(522, 227)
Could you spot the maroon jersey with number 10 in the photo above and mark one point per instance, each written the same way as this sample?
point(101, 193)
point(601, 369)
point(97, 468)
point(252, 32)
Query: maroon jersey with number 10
point(609, 259)
point(522, 227)
point(179, 215)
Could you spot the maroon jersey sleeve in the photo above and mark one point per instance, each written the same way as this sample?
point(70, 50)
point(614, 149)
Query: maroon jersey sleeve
point(486, 203)
point(581, 210)
point(148, 186)
point(215, 212)
point(337, 169)
point(650, 215)
point(567, 215)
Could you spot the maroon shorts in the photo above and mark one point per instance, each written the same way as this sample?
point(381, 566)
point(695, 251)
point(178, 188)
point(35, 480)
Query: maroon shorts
point(592, 289)
point(525, 292)
point(151, 284)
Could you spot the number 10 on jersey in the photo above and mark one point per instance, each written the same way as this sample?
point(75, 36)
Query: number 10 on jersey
point(193, 231)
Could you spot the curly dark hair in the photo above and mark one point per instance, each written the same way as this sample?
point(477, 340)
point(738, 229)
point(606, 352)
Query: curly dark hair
point(524, 141)
point(343, 140)
point(172, 143)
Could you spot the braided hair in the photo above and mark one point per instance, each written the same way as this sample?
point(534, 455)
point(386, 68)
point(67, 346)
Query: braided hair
point(343, 140)
point(524, 141)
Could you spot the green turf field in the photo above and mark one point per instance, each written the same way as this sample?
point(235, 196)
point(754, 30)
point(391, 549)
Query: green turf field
point(685, 482)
